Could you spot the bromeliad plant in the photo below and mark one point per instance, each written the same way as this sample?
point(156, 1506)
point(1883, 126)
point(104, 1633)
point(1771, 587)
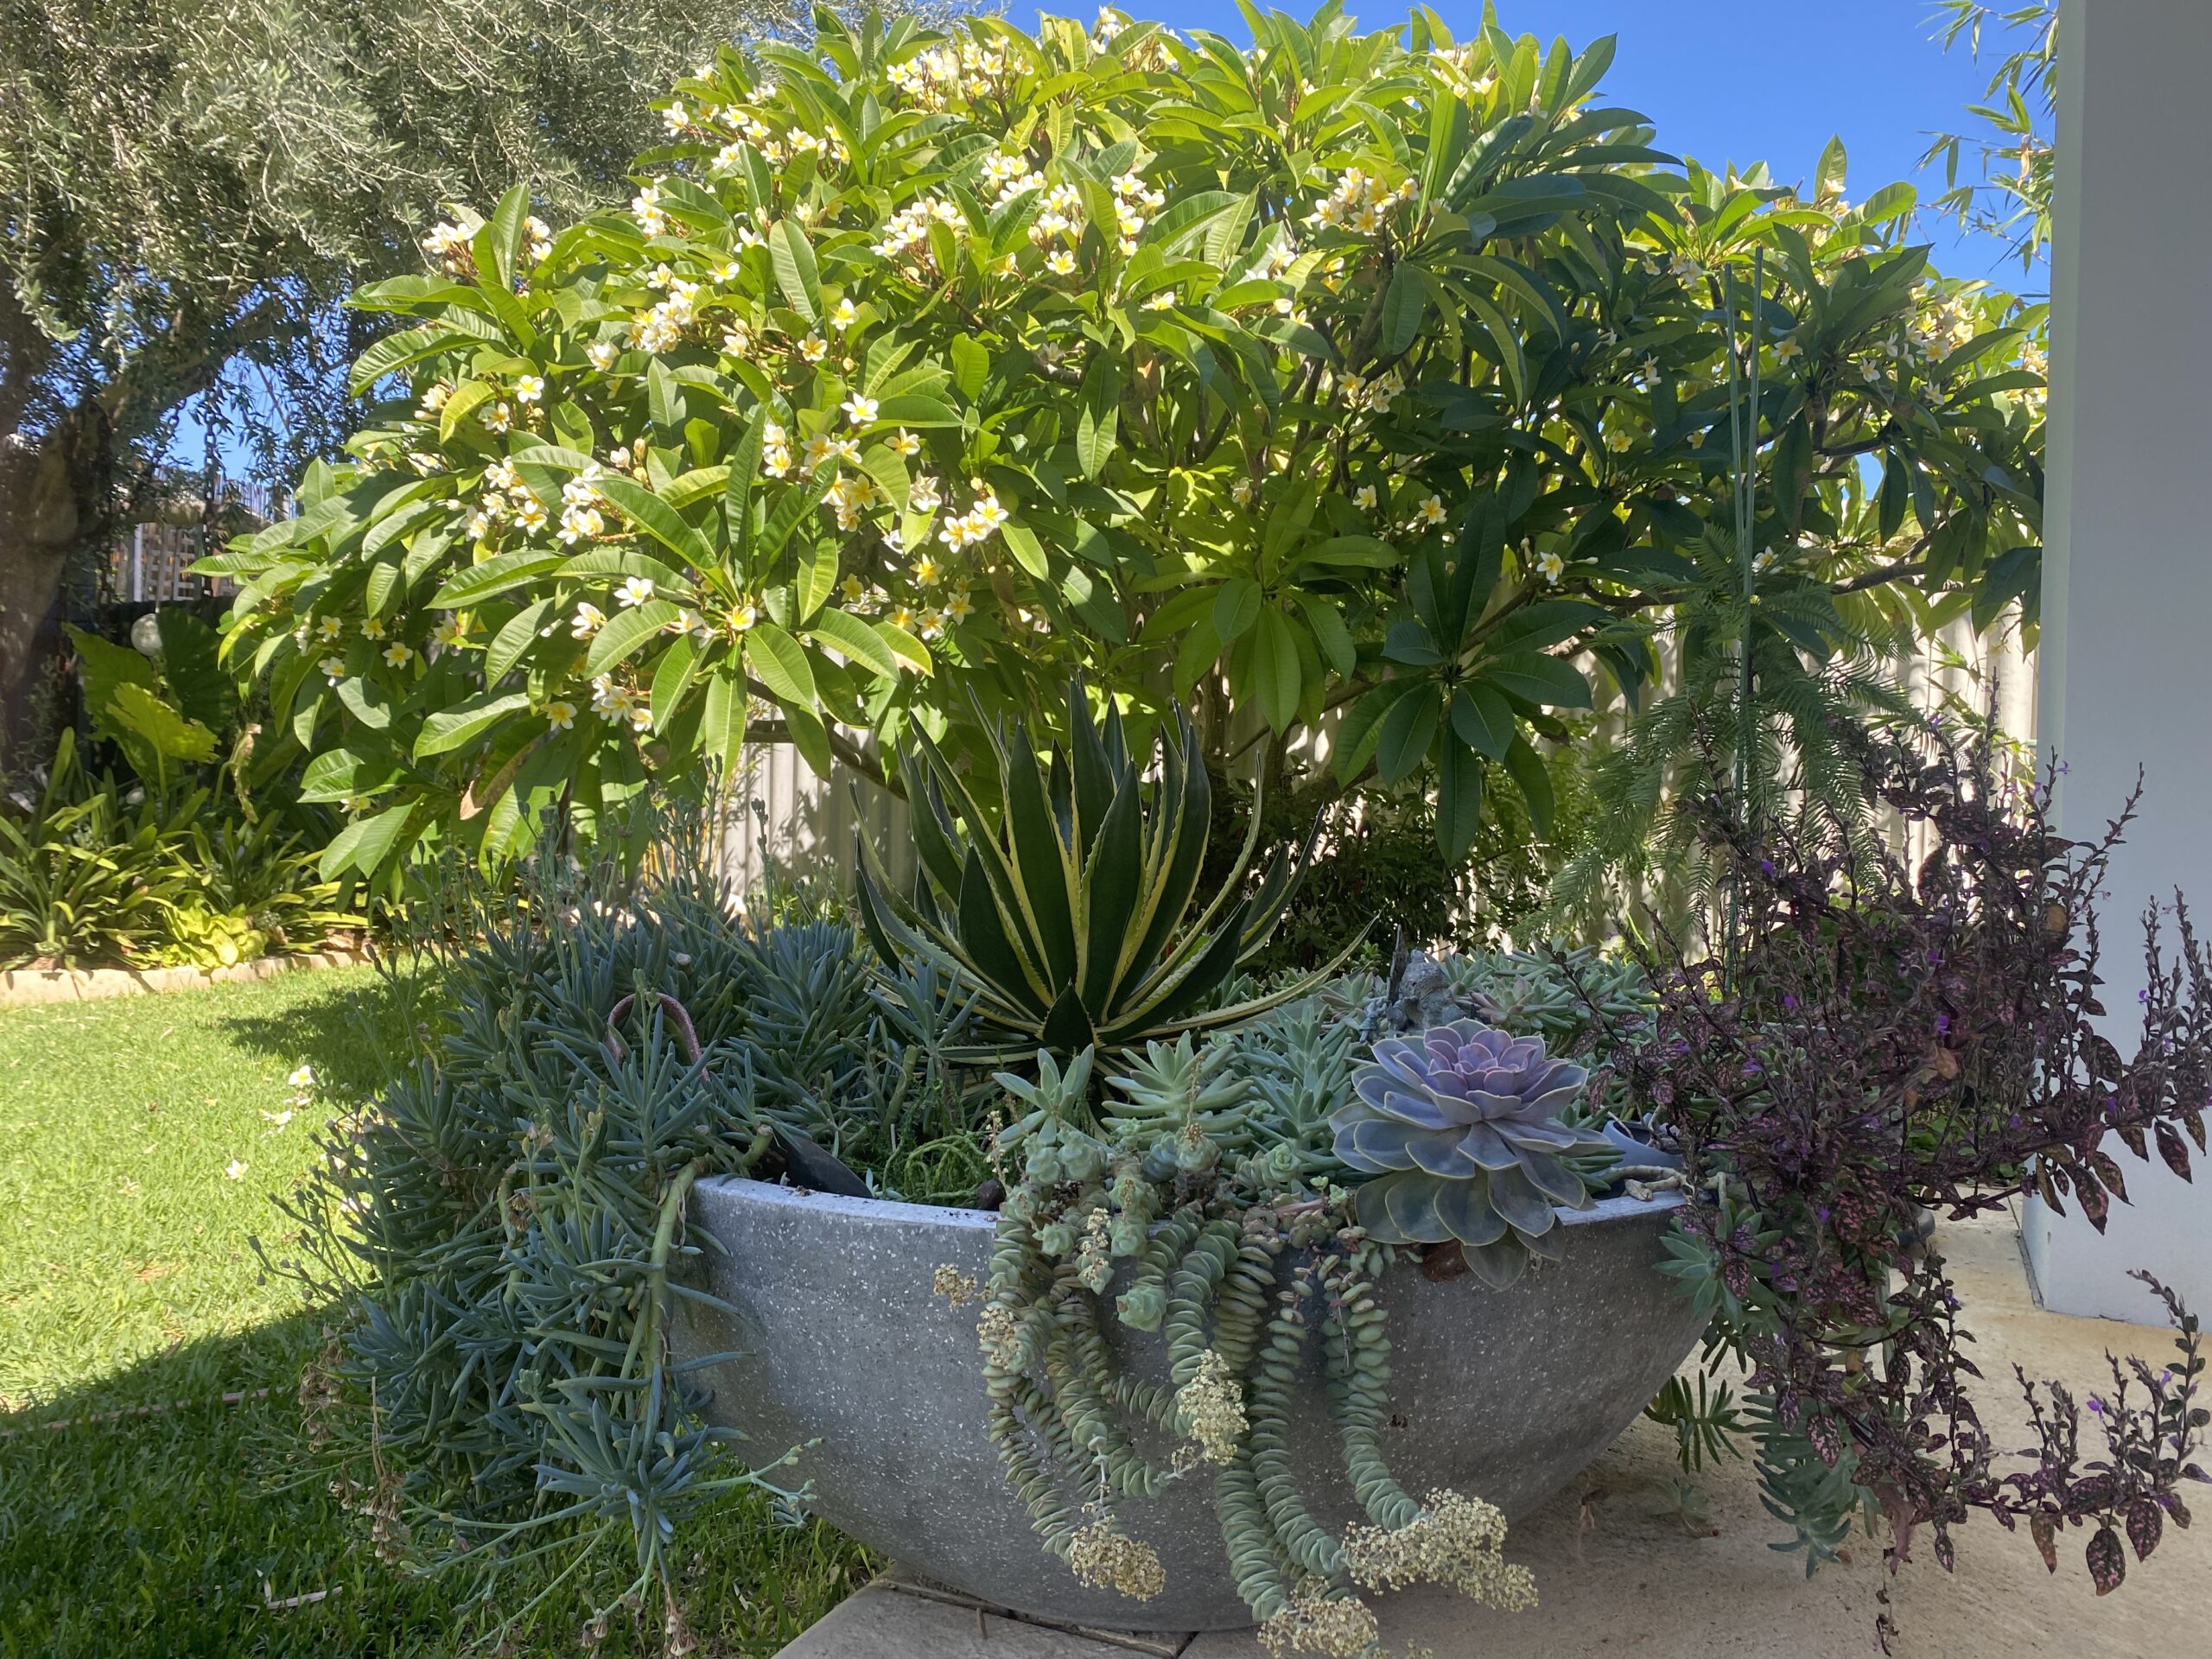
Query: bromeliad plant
point(1359, 372)
point(95, 875)
point(1068, 907)
point(85, 878)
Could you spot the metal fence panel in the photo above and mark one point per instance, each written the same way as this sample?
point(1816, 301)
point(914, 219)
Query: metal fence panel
point(780, 809)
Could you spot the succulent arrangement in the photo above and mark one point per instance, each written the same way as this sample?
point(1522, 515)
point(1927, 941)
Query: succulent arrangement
point(1202, 1189)
point(518, 1251)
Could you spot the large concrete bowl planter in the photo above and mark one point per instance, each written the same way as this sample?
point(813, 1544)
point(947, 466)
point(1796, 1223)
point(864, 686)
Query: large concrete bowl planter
point(841, 1346)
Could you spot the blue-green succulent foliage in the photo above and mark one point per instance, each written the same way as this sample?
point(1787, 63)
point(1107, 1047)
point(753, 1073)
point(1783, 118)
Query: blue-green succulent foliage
point(1461, 1131)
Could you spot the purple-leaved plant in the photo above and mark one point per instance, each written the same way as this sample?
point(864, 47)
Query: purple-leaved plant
point(1875, 1037)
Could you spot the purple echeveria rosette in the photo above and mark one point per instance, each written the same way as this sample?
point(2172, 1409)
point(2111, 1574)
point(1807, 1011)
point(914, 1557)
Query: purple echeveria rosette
point(1459, 1128)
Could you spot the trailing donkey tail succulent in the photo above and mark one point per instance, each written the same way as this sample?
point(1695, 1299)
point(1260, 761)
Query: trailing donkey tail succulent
point(1242, 1279)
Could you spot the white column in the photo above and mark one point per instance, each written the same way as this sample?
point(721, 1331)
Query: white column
point(2128, 573)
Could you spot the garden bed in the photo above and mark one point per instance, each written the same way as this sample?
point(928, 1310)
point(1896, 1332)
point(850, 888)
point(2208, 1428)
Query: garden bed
point(28, 986)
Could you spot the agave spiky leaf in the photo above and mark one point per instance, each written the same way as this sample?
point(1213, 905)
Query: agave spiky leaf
point(1460, 1129)
point(1066, 902)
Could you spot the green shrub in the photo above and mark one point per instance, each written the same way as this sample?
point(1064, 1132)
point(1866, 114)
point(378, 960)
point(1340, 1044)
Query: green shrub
point(94, 874)
point(1375, 868)
point(1363, 374)
point(265, 872)
point(500, 1224)
point(86, 878)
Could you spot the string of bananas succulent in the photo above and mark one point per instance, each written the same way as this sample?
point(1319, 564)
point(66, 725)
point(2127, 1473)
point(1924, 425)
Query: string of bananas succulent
point(1067, 904)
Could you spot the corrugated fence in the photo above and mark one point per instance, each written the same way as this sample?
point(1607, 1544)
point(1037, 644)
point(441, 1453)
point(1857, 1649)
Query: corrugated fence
point(780, 809)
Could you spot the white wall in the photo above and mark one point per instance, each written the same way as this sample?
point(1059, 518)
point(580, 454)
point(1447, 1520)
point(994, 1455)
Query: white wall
point(2127, 577)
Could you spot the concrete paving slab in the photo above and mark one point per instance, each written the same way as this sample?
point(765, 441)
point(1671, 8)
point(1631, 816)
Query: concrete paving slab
point(1152, 1644)
point(888, 1621)
point(1621, 1568)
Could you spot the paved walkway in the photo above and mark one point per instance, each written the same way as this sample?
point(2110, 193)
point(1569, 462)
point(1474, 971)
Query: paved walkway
point(1621, 1567)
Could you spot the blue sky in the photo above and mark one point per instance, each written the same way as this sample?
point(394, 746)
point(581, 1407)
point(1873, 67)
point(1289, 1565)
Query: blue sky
point(1740, 80)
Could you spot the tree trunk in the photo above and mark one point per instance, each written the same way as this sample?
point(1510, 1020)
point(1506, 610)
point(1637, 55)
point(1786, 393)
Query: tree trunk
point(39, 525)
point(41, 522)
point(62, 496)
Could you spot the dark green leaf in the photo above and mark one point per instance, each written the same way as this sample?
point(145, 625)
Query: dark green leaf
point(1406, 731)
point(1458, 802)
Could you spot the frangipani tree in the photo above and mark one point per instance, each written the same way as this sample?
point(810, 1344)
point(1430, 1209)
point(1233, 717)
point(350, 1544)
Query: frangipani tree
point(1363, 382)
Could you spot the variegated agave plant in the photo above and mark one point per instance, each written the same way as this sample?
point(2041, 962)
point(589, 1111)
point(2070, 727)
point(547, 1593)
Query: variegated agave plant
point(1067, 902)
point(1459, 1126)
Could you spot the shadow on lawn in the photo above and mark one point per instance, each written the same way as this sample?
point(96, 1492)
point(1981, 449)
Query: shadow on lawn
point(210, 1529)
point(354, 1033)
point(125, 1531)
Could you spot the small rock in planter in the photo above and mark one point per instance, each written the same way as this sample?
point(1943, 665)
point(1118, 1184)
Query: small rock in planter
point(1420, 996)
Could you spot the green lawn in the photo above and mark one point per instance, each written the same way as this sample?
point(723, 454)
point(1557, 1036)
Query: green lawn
point(145, 1140)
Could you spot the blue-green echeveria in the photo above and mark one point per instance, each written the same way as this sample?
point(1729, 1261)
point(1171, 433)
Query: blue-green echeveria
point(1459, 1126)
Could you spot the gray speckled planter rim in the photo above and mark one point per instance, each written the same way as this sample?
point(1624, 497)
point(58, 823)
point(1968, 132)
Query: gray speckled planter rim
point(898, 1210)
point(827, 1330)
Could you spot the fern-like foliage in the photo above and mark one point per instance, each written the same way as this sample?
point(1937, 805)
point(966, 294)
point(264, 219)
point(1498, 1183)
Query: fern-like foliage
point(1818, 674)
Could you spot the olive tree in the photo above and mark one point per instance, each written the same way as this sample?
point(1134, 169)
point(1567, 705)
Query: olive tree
point(186, 187)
